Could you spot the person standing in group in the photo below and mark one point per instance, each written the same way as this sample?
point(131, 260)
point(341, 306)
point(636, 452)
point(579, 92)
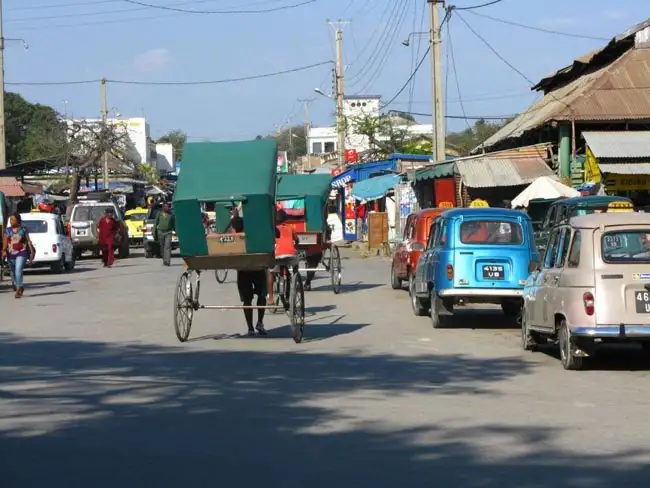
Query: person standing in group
point(107, 229)
point(163, 228)
point(19, 250)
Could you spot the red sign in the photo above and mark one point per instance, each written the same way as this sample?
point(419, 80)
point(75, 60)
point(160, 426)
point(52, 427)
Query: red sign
point(336, 172)
point(351, 156)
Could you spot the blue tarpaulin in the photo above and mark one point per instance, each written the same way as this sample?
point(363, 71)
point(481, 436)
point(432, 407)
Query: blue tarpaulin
point(375, 188)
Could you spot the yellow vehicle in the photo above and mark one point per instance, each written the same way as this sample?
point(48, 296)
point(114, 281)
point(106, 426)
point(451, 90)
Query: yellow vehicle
point(135, 221)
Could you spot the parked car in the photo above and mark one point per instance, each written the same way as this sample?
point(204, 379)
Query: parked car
point(474, 255)
point(563, 209)
point(83, 227)
point(53, 247)
point(414, 240)
point(151, 246)
point(593, 287)
point(135, 221)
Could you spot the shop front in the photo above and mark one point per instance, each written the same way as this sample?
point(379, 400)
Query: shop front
point(620, 163)
point(436, 186)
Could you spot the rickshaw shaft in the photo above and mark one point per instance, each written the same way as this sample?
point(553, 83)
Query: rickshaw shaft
point(238, 307)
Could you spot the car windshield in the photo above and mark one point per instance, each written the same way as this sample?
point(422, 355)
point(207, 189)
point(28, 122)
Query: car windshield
point(491, 232)
point(632, 246)
point(136, 217)
point(35, 226)
point(87, 213)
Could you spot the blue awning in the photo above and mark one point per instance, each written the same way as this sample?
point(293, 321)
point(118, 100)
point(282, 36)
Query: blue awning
point(375, 188)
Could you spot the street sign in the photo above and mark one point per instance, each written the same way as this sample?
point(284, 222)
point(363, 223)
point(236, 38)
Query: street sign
point(614, 182)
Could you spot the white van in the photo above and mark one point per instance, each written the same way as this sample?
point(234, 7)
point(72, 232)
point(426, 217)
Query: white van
point(53, 247)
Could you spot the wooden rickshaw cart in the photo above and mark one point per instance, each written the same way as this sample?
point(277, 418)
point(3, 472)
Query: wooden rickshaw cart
point(227, 173)
point(310, 222)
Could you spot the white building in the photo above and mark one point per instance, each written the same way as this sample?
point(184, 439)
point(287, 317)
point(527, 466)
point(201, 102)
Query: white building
point(323, 140)
point(165, 157)
point(141, 149)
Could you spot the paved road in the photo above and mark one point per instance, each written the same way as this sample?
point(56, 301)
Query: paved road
point(95, 391)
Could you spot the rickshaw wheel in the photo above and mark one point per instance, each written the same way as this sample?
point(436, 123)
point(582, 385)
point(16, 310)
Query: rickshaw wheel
point(221, 275)
point(326, 260)
point(297, 308)
point(183, 306)
point(335, 269)
point(277, 300)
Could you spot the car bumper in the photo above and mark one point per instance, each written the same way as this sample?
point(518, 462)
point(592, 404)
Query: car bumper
point(479, 292)
point(613, 332)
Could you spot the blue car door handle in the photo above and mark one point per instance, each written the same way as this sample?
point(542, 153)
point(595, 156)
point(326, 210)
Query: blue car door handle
point(466, 252)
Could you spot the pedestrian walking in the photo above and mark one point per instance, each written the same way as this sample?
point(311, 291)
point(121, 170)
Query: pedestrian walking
point(163, 228)
point(19, 250)
point(107, 229)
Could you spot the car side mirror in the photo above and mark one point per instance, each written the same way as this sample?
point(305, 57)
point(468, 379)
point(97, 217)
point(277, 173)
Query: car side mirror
point(533, 266)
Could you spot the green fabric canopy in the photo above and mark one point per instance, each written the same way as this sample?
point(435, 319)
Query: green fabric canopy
point(227, 171)
point(314, 189)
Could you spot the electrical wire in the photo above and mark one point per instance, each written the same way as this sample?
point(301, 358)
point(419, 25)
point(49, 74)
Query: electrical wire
point(119, 11)
point(453, 64)
point(388, 49)
point(468, 117)
point(415, 54)
point(175, 83)
point(496, 53)
point(493, 2)
point(62, 5)
point(185, 11)
point(417, 67)
point(387, 24)
point(538, 29)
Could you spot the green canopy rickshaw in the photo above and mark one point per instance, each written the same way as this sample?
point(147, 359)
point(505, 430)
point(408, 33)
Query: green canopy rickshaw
point(310, 223)
point(234, 174)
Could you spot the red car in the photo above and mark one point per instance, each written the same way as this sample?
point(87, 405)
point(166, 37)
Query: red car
point(414, 241)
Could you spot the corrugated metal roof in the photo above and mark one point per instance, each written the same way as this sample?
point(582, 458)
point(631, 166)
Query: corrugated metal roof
point(619, 144)
point(626, 168)
point(619, 91)
point(491, 171)
point(441, 170)
point(11, 187)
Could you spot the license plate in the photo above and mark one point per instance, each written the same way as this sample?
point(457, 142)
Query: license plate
point(493, 272)
point(307, 239)
point(82, 233)
point(642, 301)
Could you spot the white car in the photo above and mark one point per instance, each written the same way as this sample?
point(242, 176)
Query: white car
point(53, 247)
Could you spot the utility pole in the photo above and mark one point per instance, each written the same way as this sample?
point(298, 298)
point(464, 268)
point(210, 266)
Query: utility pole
point(3, 146)
point(438, 119)
point(340, 90)
point(105, 131)
point(307, 102)
point(291, 156)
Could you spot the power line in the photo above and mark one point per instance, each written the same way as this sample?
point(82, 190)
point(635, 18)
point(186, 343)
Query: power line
point(381, 43)
point(63, 5)
point(417, 67)
point(175, 83)
point(493, 2)
point(389, 47)
point(185, 11)
point(115, 11)
point(496, 53)
point(453, 64)
point(468, 117)
point(538, 29)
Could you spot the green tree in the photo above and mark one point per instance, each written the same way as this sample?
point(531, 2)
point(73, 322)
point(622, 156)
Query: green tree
point(177, 139)
point(32, 131)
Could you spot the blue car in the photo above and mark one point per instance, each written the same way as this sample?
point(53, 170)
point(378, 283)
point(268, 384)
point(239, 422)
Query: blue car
point(474, 255)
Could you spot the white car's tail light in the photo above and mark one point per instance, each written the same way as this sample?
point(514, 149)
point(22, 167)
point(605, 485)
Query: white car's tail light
point(54, 248)
point(589, 303)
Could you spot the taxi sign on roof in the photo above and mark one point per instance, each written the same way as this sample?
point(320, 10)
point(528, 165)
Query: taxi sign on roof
point(620, 207)
point(446, 205)
point(478, 203)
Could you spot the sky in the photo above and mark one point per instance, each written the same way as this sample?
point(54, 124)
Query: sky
point(77, 40)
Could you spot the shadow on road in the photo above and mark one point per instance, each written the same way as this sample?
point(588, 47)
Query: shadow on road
point(480, 318)
point(100, 415)
point(611, 357)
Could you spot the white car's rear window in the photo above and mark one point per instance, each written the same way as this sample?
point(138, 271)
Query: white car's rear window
point(626, 246)
point(35, 226)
